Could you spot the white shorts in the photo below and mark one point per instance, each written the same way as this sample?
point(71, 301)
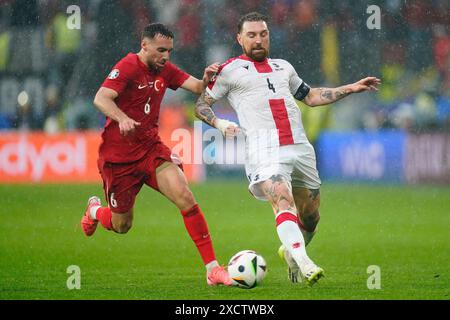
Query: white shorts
point(295, 162)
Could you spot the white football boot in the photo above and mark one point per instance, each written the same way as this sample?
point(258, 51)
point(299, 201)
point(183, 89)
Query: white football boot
point(308, 271)
point(294, 274)
point(311, 273)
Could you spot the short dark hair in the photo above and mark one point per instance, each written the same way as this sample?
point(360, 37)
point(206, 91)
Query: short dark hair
point(252, 16)
point(153, 29)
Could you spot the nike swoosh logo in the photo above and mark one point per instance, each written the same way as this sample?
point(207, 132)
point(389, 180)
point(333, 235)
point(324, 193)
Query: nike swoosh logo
point(141, 86)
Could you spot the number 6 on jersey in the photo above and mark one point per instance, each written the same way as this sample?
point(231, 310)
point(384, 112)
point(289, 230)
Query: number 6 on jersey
point(147, 106)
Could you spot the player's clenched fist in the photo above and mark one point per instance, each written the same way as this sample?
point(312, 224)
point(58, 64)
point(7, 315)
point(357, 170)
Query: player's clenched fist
point(229, 129)
point(127, 125)
point(209, 73)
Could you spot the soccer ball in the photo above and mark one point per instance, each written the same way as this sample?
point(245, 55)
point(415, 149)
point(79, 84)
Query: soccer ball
point(247, 269)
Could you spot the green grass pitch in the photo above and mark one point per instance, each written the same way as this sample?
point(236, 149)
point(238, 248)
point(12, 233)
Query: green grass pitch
point(403, 230)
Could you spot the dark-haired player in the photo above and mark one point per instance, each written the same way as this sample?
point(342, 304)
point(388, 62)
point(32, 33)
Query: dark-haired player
point(280, 161)
point(131, 153)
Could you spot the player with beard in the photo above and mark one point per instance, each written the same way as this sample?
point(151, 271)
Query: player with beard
point(280, 161)
point(132, 154)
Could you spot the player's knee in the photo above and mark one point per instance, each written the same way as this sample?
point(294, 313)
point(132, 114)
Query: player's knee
point(282, 198)
point(122, 226)
point(185, 198)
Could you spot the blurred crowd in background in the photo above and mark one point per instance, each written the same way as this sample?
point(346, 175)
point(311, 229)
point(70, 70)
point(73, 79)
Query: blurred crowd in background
point(50, 73)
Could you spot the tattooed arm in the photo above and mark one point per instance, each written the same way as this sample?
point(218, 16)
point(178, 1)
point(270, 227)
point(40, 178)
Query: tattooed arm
point(203, 109)
point(321, 96)
point(204, 112)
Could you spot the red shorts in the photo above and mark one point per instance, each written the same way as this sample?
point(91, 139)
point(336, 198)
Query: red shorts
point(123, 181)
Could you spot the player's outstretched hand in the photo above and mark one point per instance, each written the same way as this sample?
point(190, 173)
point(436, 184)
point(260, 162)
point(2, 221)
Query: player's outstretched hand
point(209, 73)
point(366, 84)
point(229, 129)
point(127, 126)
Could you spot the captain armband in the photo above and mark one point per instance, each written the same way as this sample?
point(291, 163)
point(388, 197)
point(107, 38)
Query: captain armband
point(302, 91)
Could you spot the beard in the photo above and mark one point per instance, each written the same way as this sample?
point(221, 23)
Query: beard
point(157, 66)
point(258, 53)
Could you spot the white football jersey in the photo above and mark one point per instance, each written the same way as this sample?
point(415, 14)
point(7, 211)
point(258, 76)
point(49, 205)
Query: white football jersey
point(262, 94)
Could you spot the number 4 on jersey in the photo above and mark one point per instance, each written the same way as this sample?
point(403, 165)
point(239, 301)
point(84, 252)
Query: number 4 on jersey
point(270, 85)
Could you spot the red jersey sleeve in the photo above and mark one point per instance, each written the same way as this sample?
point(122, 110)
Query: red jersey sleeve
point(119, 77)
point(175, 76)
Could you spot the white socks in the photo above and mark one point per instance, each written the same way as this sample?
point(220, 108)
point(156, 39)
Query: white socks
point(291, 236)
point(93, 212)
point(211, 265)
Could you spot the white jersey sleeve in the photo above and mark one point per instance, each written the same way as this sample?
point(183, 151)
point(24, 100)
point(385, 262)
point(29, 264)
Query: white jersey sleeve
point(297, 86)
point(218, 87)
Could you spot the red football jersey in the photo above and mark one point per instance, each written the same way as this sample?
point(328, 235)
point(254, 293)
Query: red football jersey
point(141, 91)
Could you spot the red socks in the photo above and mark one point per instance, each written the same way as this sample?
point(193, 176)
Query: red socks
point(195, 225)
point(198, 230)
point(104, 216)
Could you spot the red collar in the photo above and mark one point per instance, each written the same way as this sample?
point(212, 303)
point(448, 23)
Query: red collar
point(245, 57)
point(261, 66)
